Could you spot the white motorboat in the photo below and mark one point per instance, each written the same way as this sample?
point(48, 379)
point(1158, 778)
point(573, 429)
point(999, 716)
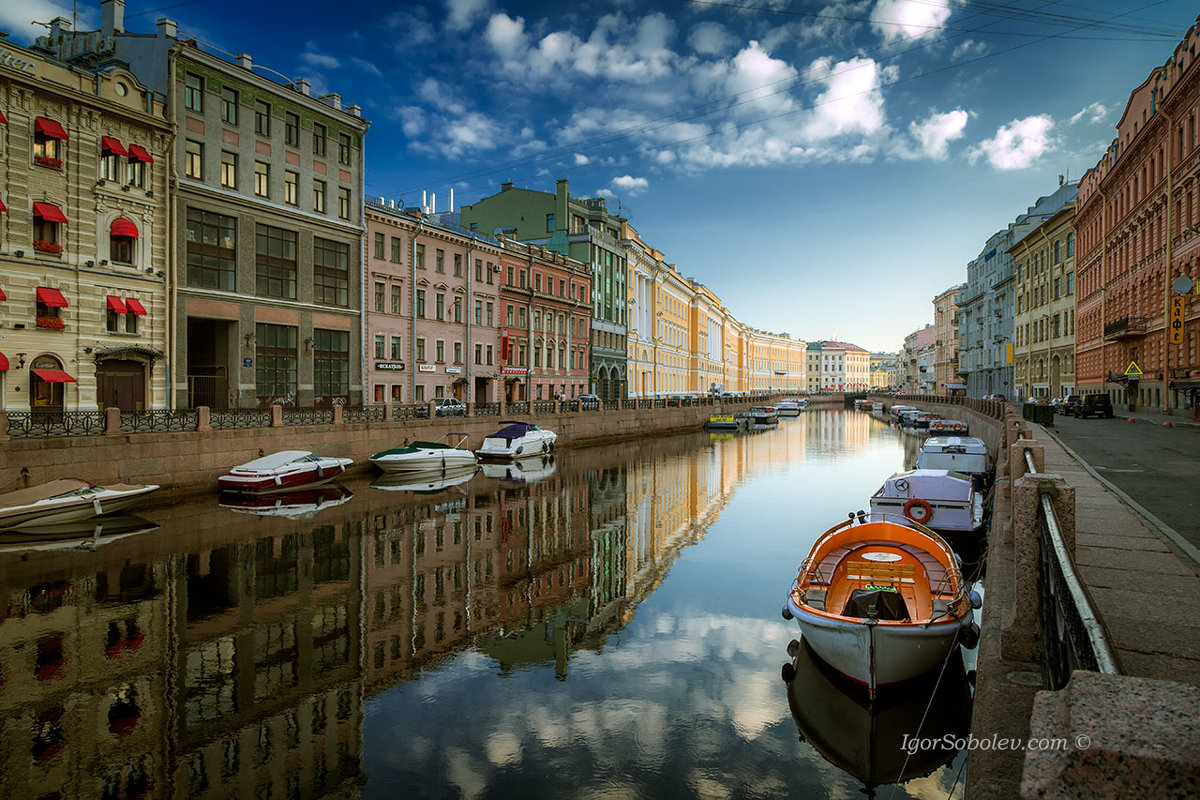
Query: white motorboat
point(788, 408)
point(881, 602)
point(427, 482)
point(302, 504)
point(445, 454)
point(939, 499)
point(530, 469)
point(516, 439)
point(965, 454)
point(285, 471)
point(764, 415)
point(67, 500)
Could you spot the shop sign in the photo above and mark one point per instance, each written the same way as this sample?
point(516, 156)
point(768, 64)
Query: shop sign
point(453, 370)
point(390, 366)
point(426, 368)
point(10, 60)
point(1178, 306)
point(514, 370)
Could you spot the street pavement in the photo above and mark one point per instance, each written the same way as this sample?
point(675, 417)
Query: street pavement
point(1157, 467)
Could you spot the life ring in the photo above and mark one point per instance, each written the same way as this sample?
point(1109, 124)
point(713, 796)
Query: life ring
point(924, 514)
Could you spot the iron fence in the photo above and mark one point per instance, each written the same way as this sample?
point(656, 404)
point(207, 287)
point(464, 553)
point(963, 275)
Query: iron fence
point(487, 409)
point(366, 414)
point(516, 408)
point(159, 420)
point(543, 407)
point(240, 418)
point(307, 416)
point(34, 424)
point(417, 411)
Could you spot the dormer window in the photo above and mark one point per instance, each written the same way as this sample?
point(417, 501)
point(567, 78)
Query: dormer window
point(46, 137)
point(122, 239)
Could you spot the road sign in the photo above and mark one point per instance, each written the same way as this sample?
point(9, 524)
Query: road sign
point(1182, 285)
point(1132, 370)
point(1178, 306)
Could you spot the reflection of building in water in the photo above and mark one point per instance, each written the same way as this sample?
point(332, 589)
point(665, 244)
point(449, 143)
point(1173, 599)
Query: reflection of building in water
point(609, 545)
point(838, 431)
point(84, 704)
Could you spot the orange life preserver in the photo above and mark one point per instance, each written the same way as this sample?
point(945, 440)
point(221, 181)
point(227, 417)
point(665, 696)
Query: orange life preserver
point(926, 512)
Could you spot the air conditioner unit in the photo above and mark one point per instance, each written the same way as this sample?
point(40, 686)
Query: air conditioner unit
point(495, 268)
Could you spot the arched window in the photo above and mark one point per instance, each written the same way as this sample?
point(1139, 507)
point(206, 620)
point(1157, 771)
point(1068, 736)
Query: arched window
point(123, 236)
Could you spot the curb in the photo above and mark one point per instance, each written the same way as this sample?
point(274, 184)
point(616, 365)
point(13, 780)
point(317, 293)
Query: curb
point(1173, 536)
point(1174, 423)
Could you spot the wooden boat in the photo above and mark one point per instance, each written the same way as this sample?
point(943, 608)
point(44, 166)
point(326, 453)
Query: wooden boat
point(66, 500)
point(939, 499)
point(285, 471)
point(880, 602)
point(516, 439)
point(420, 456)
point(301, 504)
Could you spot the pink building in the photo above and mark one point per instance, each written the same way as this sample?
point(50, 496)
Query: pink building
point(450, 277)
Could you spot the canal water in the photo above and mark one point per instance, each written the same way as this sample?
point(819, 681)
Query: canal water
point(602, 624)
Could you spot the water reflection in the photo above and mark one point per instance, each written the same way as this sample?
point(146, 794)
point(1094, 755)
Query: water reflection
point(604, 621)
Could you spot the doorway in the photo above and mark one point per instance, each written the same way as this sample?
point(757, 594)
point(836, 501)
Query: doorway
point(121, 383)
point(46, 379)
point(208, 355)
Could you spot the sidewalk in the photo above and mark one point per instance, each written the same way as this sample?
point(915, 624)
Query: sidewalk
point(1144, 588)
point(1180, 418)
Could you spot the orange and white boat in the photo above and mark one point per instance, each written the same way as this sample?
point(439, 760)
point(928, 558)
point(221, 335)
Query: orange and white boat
point(881, 602)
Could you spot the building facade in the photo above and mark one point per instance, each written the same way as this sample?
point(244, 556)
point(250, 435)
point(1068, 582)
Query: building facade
point(919, 360)
point(267, 248)
point(84, 251)
point(1044, 333)
point(837, 367)
point(1138, 227)
point(945, 359)
point(583, 229)
point(431, 317)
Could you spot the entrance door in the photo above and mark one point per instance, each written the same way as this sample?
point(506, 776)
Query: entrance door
point(121, 383)
point(208, 357)
point(46, 379)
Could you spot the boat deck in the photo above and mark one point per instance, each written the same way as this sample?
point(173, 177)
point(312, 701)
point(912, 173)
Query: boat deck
point(917, 576)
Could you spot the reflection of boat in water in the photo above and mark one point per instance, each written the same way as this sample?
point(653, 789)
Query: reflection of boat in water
point(292, 505)
point(428, 481)
point(522, 470)
point(868, 740)
point(82, 534)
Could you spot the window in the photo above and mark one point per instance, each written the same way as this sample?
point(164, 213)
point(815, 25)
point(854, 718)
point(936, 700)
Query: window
point(343, 148)
point(1070, 283)
point(331, 272)
point(193, 160)
point(211, 250)
point(478, 354)
point(193, 92)
point(331, 365)
point(397, 348)
point(478, 312)
point(395, 255)
point(458, 265)
point(439, 260)
point(489, 355)
point(420, 303)
point(275, 362)
point(319, 196)
point(508, 315)
point(489, 271)
point(439, 305)
point(378, 346)
point(319, 136)
point(420, 349)
point(262, 179)
point(549, 223)
point(229, 105)
point(458, 352)
point(395, 300)
point(344, 202)
point(419, 393)
point(458, 309)
point(291, 187)
point(121, 244)
point(262, 118)
point(439, 349)
point(378, 296)
point(275, 261)
point(521, 317)
point(397, 394)
point(490, 308)
point(135, 172)
point(510, 276)
point(110, 164)
point(537, 283)
point(1070, 245)
point(420, 256)
point(229, 170)
point(291, 129)
point(479, 270)
point(379, 245)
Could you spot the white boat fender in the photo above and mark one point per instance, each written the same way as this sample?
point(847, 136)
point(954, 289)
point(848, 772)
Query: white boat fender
point(278, 481)
point(968, 635)
point(96, 506)
point(320, 471)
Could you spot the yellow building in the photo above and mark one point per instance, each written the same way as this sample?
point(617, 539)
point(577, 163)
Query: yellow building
point(84, 253)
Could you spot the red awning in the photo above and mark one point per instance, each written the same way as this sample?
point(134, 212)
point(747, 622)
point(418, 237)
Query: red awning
point(53, 375)
point(49, 128)
point(138, 153)
point(51, 297)
point(135, 306)
point(3, 119)
point(123, 227)
point(3, 296)
point(49, 212)
point(3, 362)
point(115, 304)
point(2, 206)
point(110, 145)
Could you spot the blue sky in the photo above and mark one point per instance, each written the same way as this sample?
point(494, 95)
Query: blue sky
point(824, 167)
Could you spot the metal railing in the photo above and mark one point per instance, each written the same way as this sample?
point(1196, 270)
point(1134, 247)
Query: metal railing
point(543, 407)
point(516, 409)
point(240, 418)
point(365, 414)
point(307, 416)
point(416, 411)
point(32, 424)
point(1072, 635)
point(487, 409)
point(159, 420)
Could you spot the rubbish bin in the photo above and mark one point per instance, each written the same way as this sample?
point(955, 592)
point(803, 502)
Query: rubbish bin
point(1044, 415)
point(1027, 411)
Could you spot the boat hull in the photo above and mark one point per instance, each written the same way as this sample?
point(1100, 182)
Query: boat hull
point(877, 654)
point(280, 482)
point(498, 450)
point(426, 462)
point(73, 509)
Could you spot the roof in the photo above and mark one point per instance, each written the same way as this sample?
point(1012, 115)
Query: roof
point(829, 344)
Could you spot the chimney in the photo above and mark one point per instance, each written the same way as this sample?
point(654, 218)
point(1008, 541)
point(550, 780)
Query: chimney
point(561, 196)
point(432, 202)
point(504, 187)
point(333, 99)
point(166, 27)
point(112, 17)
point(244, 61)
point(302, 86)
point(354, 110)
point(59, 26)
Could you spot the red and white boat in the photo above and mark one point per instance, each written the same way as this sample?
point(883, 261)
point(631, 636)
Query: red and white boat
point(285, 471)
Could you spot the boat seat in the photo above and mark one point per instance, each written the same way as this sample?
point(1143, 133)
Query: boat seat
point(815, 598)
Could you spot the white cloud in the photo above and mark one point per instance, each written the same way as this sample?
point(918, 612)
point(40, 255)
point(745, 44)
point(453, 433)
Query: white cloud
point(1095, 112)
point(710, 38)
point(851, 101)
point(581, 160)
point(17, 17)
point(461, 14)
point(630, 185)
point(409, 28)
point(969, 48)
point(909, 19)
point(366, 66)
point(1017, 144)
point(937, 132)
point(315, 58)
point(506, 35)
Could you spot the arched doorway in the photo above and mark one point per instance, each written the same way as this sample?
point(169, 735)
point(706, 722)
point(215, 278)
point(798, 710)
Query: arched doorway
point(46, 385)
point(121, 383)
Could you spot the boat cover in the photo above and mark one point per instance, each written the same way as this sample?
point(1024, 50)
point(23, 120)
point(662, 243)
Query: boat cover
point(955, 444)
point(55, 488)
point(414, 447)
point(885, 605)
point(928, 484)
point(276, 460)
point(514, 431)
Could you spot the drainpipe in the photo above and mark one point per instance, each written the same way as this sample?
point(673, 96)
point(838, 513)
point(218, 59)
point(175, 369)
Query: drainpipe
point(171, 177)
point(467, 363)
point(1166, 363)
point(412, 290)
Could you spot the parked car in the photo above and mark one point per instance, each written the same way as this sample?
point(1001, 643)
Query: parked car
point(450, 407)
point(1069, 404)
point(585, 402)
point(1094, 405)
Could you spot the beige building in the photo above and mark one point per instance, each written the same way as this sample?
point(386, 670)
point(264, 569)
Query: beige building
point(1044, 346)
point(945, 344)
point(837, 367)
point(84, 252)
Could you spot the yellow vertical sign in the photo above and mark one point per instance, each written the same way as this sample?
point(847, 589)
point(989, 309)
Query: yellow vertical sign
point(1008, 348)
point(1178, 306)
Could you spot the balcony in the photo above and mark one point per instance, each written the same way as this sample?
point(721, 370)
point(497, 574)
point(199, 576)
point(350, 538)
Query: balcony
point(1125, 327)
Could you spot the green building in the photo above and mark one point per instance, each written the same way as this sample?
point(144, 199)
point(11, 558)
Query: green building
point(585, 230)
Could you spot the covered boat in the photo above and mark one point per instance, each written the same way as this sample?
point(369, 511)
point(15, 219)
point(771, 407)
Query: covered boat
point(516, 439)
point(445, 454)
point(285, 471)
point(67, 500)
point(302, 504)
point(943, 427)
point(965, 454)
point(879, 601)
point(936, 498)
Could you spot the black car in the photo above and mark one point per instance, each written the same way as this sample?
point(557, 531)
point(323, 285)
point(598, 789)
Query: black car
point(1094, 405)
point(1069, 405)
